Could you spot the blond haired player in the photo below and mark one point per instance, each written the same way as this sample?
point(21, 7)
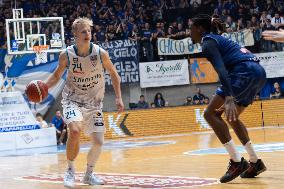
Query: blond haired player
point(83, 95)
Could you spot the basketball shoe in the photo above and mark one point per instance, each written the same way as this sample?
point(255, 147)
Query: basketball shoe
point(69, 179)
point(92, 179)
point(234, 170)
point(254, 169)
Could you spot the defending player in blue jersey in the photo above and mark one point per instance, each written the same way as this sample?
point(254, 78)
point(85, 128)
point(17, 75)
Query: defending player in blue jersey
point(242, 78)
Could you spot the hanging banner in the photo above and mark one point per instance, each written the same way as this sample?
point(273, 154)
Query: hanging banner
point(163, 73)
point(272, 62)
point(201, 71)
point(19, 70)
point(168, 46)
point(124, 56)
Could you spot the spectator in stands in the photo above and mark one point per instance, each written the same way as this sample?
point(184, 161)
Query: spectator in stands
point(195, 3)
point(146, 43)
point(224, 15)
point(110, 33)
point(267, 45)
point(68, 42)
point(230, 25)
point(276, 92)
point(264, 16)
point(157, 14)
point(61, 130)
point(41, 121)
point(183, 4)
point(187, 30)
point(240, 25)
point(218, 8)
point(257, 97)
point(134, 34)
point(158, 33)
point(243, 13)
point(201, 101)
point(198, 98)
point(122, 32)
point(188, 101)
point(170, 33)
point(206, 100)
point(255, 27)
point(180, 32)
point(231, 6)
point(159, 101)
point(270, 8)
point(99, 34)
point(278, 22)
point(255, 8)
point(142, 104)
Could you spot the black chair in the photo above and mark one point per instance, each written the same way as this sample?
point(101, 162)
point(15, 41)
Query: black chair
point(132, 105)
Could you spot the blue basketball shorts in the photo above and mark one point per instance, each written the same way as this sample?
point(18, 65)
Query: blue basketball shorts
point(247, 79)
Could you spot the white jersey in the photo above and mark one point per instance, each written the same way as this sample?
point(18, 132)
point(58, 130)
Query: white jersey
point(85, 81)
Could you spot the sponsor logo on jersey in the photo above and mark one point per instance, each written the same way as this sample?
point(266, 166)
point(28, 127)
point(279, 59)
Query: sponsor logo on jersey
point(87, 79)
point(93, 60)
point(86, 83)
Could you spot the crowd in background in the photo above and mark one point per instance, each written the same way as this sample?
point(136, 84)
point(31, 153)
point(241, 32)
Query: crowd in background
point(159, 101)
point(146, 20)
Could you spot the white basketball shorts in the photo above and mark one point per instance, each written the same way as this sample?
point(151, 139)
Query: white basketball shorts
point(91, 116)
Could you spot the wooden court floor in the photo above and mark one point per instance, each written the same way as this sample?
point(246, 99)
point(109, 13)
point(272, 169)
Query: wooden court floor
point(180, 161)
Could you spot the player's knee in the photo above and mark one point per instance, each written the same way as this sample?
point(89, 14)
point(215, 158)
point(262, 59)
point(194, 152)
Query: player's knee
point(98, 143)
point(74, 133)
point(234, 123)
point(207, 114)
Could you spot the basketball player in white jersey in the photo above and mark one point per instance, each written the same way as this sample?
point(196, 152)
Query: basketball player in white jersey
point(83, 95)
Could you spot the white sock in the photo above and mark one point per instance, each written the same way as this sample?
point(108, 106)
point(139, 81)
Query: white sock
point(92, 158)
point(252, 155)
point(90, 169)
point(71, 165)
point(234, 154)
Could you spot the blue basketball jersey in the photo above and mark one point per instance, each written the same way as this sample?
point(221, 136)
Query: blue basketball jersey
point(231, 52)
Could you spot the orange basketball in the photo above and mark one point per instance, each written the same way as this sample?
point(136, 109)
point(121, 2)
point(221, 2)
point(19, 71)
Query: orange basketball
point(36, 91)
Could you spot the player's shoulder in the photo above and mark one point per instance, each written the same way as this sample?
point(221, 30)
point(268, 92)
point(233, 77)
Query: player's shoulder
point(67, 50)
point(101, 51)
point(211, 36)
point(95, 46)
point(63, 56)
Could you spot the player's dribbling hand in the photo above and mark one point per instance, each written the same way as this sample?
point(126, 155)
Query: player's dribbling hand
point(119, 104)
point(230, 109)
point(220, 110)
point(277, 36)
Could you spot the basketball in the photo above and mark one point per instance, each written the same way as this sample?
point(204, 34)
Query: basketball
point(36, 91)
